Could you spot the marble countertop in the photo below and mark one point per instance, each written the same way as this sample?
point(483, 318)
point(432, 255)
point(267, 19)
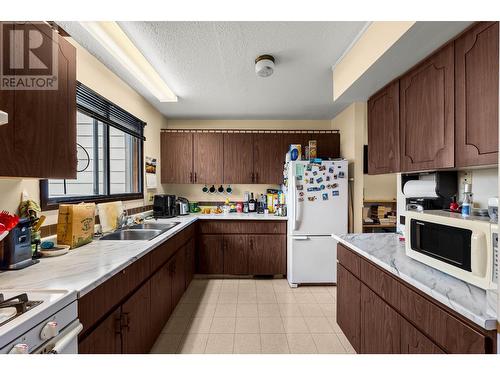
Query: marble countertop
point(86, 267)
point(388, 252)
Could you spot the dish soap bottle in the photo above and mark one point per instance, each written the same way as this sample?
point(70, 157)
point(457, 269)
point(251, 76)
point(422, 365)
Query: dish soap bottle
point(467, 202)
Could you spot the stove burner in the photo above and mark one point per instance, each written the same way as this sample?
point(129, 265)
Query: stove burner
point(20, 303)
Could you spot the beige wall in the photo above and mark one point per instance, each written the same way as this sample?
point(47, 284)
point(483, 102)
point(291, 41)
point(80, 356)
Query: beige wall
point(380, 187)
point(94, 74)
point(193, 192)
point(378, 37)
point(351, 123)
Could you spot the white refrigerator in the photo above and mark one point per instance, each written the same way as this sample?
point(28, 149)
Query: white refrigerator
point(317, 198)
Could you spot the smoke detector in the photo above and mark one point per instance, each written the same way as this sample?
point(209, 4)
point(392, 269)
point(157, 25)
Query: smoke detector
point(264, 65)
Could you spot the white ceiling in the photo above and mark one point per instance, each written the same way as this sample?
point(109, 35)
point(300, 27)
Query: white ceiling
point(210, 65)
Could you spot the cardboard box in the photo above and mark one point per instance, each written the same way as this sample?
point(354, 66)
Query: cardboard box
point(75, 224)
point(313, 149)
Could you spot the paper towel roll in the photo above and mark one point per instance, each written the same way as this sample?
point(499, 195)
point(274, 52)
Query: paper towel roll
point(420, 189)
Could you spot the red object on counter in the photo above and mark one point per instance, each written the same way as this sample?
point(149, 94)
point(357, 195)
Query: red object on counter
point(7, 221)
point(239, 207)
point(454, 207)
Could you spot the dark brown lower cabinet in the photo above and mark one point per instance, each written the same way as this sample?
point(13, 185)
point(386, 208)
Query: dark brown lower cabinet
point(379, 313)
point(415, 342)
point(106, 337)
point(235, 254)
point(178, 267)
point(211, 254)
point(349, 306)
point(266, 254)
point(380, 325)
point(161, 297)
point(137, 336)
point(190, 260)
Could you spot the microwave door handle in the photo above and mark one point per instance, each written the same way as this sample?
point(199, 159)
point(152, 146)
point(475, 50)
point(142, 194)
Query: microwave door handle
point(66, 339)
point(478, 254)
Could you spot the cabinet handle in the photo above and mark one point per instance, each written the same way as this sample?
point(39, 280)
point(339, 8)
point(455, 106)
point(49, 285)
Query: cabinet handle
point(190, 176)
point(125, 321)
point(195, 177)
point(253, 177)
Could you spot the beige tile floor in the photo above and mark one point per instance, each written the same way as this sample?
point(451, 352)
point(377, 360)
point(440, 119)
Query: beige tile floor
point(253, 316)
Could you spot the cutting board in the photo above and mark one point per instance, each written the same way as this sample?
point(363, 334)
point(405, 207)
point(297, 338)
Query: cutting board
point(109, 214)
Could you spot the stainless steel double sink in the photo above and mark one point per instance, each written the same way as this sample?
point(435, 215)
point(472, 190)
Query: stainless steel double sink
point(139, 232)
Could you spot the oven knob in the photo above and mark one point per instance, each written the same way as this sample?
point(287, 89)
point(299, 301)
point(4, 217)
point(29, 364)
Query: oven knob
point(49, 330)
point(20, 349)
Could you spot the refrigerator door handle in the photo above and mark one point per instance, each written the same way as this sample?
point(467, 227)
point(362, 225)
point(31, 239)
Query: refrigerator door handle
point(297, 205)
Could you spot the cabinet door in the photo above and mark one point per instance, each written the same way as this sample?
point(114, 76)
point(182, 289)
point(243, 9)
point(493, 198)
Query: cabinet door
point(9, 158)
point(177, 158)
point(267, 254)
point(45, 120)
point(105, 338)
point(328, 145)
point(137, 335)
point(208, 157)
point(235, 254)
point(211, 254)
point(295, 138)
point(179, 272)
point(380, 325)
point(427, 113)
point(238, 158)
point(161, 298)
point(268, 158)
point(415, 342)
point(476, 96)
point(190, 261)
point(383, 130)
point(349, 306)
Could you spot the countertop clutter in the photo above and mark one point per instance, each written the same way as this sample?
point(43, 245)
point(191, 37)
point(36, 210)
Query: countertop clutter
point(84, 268)
point(388, 252)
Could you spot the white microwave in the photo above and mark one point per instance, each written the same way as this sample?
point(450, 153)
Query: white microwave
point(464, 248)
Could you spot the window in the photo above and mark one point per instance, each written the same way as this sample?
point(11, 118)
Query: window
point(109, 153)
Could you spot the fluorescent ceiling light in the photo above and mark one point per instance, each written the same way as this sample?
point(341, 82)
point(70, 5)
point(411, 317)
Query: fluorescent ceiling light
point(116, 42)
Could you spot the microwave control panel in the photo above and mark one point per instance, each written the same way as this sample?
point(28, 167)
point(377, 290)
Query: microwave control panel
point(495, 258)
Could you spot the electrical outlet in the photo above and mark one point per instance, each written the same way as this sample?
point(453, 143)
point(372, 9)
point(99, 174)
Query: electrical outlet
point(464, 177)
point(150, 197)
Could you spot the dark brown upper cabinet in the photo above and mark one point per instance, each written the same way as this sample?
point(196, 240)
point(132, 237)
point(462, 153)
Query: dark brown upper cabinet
point(238, 158)
point(383, 130)
point(177, 158)
point(268, 158)
point(294, 139)
point(427, 113)
point(208, 158)
point(40, 137)
point(328, 145)
point(476, 96)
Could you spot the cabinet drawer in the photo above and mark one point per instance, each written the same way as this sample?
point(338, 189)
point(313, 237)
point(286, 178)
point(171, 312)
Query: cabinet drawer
point(381, 283)
point(237, 227)
point(165, 251)
point(95, 304)
point(443, 328)
point(348, 259)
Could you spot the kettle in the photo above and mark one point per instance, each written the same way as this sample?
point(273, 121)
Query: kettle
point(182, 206)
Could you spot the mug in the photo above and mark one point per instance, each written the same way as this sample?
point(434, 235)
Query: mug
point(212, 189)
point(205, 189)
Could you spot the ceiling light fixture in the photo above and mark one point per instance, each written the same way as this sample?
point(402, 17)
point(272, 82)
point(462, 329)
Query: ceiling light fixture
point(116, 42)
point(264, 65)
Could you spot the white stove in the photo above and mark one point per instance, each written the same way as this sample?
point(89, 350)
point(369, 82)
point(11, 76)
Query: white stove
point(41, 321)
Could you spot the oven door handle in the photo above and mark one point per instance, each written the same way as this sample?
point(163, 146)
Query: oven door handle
point(61, 344)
